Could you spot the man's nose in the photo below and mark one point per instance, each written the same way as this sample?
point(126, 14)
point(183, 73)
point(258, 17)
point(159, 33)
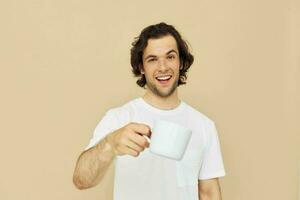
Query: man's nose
point(162, 65)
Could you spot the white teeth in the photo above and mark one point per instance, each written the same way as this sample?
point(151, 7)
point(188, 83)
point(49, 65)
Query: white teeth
point(162, 78)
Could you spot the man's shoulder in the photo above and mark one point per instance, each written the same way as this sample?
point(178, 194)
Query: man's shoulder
point(198, 115)
point(124, 108)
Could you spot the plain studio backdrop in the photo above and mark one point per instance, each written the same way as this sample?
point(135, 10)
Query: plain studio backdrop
point(64, 63)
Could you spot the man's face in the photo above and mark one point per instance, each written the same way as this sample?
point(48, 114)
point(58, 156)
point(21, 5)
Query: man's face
point(161, 65)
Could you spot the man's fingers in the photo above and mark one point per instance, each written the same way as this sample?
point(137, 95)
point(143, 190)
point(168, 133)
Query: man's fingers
point(131, 139)
point(139, 140)
point(134, 146)
point(129, 151)
point(142, 129)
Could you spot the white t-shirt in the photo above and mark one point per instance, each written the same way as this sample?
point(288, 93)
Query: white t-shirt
point(151, 177)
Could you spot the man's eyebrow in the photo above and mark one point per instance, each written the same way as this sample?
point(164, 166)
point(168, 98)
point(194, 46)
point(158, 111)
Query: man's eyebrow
point(150, 56)
point(153, 56)
point(171, 51)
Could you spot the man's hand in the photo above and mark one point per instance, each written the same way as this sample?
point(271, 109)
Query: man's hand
point(130, 140)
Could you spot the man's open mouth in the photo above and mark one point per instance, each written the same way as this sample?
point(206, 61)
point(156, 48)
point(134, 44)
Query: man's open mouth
point(163, 79)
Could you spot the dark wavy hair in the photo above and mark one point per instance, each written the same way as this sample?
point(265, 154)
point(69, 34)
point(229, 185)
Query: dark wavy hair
point(154, 32)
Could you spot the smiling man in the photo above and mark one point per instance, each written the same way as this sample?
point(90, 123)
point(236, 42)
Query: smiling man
point(160, 59)
point(163, 54)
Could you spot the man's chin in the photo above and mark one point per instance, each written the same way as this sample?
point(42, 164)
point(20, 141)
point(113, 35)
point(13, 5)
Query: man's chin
point(164, 93)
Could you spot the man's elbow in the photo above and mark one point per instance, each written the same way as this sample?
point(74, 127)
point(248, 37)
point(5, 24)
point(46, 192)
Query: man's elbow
point(80, 184)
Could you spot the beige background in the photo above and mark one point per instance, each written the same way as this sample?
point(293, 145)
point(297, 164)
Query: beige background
point(64, 63)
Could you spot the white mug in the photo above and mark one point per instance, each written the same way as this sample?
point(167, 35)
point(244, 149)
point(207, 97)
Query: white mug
point(169, 139)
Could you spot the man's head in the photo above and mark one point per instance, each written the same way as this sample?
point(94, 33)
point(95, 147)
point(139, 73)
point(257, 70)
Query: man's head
point(160, 53)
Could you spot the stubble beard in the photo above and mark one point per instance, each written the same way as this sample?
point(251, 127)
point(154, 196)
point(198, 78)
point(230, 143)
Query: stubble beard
point(156, 91)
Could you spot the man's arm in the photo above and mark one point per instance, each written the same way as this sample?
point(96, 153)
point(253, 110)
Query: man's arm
point(92, 164)
point(209, 189)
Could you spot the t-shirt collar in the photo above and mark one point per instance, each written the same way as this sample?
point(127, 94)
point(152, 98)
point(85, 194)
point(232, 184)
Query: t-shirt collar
point(151, 108)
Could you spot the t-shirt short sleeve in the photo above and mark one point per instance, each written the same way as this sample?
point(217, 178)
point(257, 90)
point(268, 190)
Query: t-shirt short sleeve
point(212, 165)
point(106, 125)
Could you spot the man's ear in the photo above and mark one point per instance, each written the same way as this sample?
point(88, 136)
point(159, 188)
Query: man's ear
point(141, 69)
point(181, 65)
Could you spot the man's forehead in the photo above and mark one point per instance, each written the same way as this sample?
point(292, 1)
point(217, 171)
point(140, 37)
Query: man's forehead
point(161, 45)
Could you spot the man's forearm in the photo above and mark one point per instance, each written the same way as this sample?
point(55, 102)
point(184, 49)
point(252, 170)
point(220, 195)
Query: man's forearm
point(211, 196)
point(209, 189)
point(93, 164)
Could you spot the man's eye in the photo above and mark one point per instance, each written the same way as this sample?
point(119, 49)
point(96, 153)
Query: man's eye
point(171, 57)
point(151, 60)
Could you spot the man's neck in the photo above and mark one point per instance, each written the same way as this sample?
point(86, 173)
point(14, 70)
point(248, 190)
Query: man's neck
point(164, 103)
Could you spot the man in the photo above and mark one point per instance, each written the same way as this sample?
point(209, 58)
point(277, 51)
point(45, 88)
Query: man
point(160, 58)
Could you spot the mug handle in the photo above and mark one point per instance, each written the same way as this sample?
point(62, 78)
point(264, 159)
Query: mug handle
point(147, 138)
